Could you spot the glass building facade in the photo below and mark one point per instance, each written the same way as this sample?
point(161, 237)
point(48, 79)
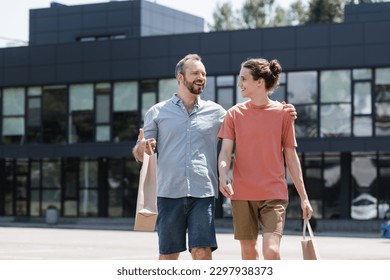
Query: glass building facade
point(67, 141)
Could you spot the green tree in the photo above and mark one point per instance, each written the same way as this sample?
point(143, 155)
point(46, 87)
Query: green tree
point(257, 13)
point(223, 18)
point(321, 11)
point(297, 13)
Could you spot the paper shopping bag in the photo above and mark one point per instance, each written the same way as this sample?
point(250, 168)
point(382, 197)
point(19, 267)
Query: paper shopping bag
point(146, 211)
point(309, 246)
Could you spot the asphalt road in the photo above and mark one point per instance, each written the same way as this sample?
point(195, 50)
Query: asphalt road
point(28, 243)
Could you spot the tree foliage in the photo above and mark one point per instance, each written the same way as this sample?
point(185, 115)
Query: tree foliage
point(266, 13)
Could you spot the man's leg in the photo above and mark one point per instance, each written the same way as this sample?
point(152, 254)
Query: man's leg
point(171, 227)
point(201, 230)
point(169, 257)
point(271, 246)
point(201, 253)
point(249, 249)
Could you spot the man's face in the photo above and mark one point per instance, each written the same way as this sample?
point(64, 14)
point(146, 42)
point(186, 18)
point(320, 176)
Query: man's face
point(194, 78)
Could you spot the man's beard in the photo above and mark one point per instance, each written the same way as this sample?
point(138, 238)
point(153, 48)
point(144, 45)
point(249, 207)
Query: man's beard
point(191, 87)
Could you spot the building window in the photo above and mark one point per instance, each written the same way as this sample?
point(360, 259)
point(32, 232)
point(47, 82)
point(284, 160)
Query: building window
point(382, 101)
point(148, 91)
point(13, 115)
point(88, 181)
point(33, 115)
point(335, 99)
point(384, 185)
point(279, 93)
point(125, 108)
point(302, 92)
point(362, 102)
point(55, 114)
point(209, 90)
point(167, 88)
point(103, 112)
point(226, 89)
point(81, 118)
point(51, 183)
point(364, 204)
point(332, 186)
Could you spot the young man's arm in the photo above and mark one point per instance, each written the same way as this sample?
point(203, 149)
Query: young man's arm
point(294, 167)
point(224, 160)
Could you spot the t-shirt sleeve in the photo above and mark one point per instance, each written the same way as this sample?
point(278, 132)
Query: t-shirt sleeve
point(288, 133)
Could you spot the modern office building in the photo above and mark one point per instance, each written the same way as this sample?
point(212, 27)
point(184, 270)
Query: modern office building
point(71, 103)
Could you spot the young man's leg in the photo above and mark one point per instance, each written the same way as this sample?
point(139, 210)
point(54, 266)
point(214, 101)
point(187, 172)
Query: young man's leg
point(272, 217)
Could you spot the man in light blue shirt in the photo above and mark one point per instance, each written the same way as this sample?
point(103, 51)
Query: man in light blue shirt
point(184, 129)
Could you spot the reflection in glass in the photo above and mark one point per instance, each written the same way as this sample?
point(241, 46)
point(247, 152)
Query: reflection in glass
point(103, 133)
point(33, 120)
point(34, 91)
point(302, 87)
point(225, 97)
point(13, 101)
point(51, 174)
point(364, 179)
point(332, 185)
point(306, 124)
point(382, 76)
point(336, 86)
point(88, 205)
point(115, 184)
point(88, 174)
point(382, 120)
point(167, 88)
point(382, 92)
point(335, 120)
point(55, 100)
point(81, 97)
point(209, 90)
point(279, 93)
point(13, 126)
point(34, 112)
point(148, 100)
point(361, 74)
point(125, 96)
point(225, 81)
point(55, 114)
point(362, 126)
point(124, 126)
point(102, 108)
point(34, 203)
point(362, 98)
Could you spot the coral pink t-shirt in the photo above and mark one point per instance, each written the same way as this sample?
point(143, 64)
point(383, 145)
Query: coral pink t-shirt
point(260, 133)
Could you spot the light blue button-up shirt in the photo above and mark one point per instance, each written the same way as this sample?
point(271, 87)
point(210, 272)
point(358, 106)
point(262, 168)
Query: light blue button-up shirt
point(186, 146)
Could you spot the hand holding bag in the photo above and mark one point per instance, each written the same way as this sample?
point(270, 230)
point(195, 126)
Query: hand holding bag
point(309, 246)
point(146, 212)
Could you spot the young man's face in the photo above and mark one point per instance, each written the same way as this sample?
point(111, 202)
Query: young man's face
point(247, 85)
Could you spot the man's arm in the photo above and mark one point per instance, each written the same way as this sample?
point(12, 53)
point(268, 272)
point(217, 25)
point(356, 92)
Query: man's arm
point(141, 147)
point(294, 167)
point(224, 160)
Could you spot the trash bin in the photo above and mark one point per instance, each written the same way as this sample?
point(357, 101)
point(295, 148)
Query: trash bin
point(51, 215)
point(385, 229)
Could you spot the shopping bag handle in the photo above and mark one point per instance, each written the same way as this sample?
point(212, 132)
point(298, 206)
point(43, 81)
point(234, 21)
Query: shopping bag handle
point(306, 224)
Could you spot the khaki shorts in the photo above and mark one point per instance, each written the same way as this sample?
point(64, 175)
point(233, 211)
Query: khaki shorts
point(246, 214)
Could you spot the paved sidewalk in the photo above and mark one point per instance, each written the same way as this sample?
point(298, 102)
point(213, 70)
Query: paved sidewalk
point(59, 243)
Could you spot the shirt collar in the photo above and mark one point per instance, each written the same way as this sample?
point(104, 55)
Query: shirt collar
point(176, 100)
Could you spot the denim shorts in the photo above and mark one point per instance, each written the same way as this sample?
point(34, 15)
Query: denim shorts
point(177, 216)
